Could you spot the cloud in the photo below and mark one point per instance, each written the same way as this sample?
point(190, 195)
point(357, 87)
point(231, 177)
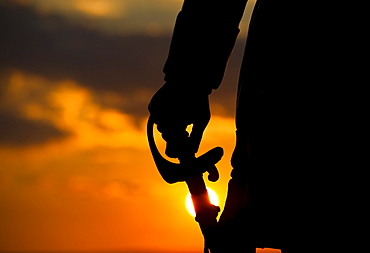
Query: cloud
point(17, 131)
point(72, 78)
point(51, 71)
point(66, 107)
point(105, 8)
point(128, 68)
point(50, 47)
point(100, 8)
point(111, 16)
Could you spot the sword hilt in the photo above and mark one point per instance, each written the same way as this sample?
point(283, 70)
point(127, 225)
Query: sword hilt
point(191, 169)
point(188, 166)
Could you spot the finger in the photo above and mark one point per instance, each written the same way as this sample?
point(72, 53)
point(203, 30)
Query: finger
point(175, 149)
point(197, 134)
point(176, 137)
point(200, 121)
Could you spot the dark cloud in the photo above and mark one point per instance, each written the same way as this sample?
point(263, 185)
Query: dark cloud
point(17, 131)
point(55, 48)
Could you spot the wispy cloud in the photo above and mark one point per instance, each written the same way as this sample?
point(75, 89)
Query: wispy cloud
point(50, 108)
point(126, 71)
point(113, 16)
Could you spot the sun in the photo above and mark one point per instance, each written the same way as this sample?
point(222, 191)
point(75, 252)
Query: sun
point(189, 203)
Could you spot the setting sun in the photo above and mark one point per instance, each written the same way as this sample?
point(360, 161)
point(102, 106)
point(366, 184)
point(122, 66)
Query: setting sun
point(189, 203)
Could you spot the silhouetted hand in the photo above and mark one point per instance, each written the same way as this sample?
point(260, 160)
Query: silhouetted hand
point(173, 109)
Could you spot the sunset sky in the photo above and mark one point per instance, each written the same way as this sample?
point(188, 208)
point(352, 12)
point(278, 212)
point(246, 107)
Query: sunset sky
point(76, 173)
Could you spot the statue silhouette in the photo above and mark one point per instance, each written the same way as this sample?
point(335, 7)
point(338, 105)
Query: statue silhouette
point(281, 111)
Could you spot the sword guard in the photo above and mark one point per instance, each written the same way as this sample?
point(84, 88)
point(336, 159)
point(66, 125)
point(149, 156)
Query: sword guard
point(178, 172)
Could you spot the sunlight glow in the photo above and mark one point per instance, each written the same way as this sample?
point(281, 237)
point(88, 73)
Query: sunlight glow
point(189, 203)
point(95, 7)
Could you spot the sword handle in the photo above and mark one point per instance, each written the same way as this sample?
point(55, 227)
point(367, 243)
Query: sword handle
point(206, 213)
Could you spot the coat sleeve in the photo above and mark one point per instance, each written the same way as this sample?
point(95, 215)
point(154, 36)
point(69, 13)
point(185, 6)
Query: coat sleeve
point(203, 38)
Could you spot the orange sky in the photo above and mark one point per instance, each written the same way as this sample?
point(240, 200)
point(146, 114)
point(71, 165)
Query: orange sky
point(75, 170)
point(98, 188)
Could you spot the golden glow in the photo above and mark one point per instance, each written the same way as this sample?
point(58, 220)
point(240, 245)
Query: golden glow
point(189, 203)
point(102, 168)
point(94, 7)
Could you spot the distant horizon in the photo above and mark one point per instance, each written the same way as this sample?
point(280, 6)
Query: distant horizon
point(266, 250)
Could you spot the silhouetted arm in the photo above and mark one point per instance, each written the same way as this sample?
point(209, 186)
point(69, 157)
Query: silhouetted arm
point(203, 38)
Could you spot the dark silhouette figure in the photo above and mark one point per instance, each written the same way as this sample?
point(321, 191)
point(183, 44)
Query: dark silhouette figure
point(282, 118)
